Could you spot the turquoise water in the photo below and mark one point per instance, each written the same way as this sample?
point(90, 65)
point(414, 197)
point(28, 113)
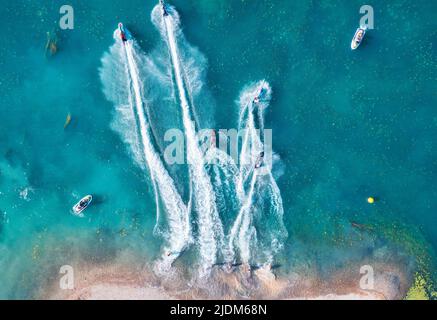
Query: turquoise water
point(346, 125)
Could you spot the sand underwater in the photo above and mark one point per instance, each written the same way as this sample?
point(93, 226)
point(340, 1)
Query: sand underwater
point(85, 113)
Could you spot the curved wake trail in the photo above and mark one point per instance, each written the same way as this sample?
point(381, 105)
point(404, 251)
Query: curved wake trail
point(258, 231)
point(178, 235)
point(211, 233)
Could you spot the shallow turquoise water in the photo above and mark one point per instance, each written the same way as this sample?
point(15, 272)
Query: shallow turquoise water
point(346, 125)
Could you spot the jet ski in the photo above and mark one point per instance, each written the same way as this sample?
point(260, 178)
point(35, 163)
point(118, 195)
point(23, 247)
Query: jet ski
point(164, 8)
point(173, 253)
point(358, 37)
point(124, 34)
point(82, 205)
point(259, 161)
point(258, 98)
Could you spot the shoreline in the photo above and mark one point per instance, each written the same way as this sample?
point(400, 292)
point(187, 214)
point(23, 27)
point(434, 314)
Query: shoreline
point(123, 282)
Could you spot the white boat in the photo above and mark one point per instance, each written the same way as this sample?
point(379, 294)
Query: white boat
point(82, 205)
point(358, 37)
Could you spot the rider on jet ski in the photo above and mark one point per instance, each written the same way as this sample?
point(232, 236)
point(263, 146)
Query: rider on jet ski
point(122, 32)
point(259, 160)
point(259, 96)
point(164, 8)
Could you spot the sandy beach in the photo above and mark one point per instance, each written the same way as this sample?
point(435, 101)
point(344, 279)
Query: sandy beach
point(118, 282)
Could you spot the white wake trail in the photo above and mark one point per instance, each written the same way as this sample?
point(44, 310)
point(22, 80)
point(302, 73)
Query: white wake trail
point(259, 223)
point(224, 173)
point(178, 235)
point(211, 233)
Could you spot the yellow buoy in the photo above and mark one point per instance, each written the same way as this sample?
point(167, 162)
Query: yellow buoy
point(371, 200)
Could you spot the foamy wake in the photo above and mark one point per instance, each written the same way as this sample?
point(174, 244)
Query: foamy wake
point(210, 229)
point(123, 86)
point(237, 209)
point(258, 231)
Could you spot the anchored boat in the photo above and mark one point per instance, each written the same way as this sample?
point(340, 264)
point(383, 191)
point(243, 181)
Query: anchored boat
point(82, 205)
point(358, 37)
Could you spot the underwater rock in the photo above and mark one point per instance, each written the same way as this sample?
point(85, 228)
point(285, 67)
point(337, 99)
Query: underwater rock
point(51, 44)
point(67, 121)
point(25, 193)
point(418, 289)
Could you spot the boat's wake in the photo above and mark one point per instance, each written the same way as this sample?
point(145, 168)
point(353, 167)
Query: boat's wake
point(131, 121)
point(210, 229)
point(258, 231)
point(233, 212)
